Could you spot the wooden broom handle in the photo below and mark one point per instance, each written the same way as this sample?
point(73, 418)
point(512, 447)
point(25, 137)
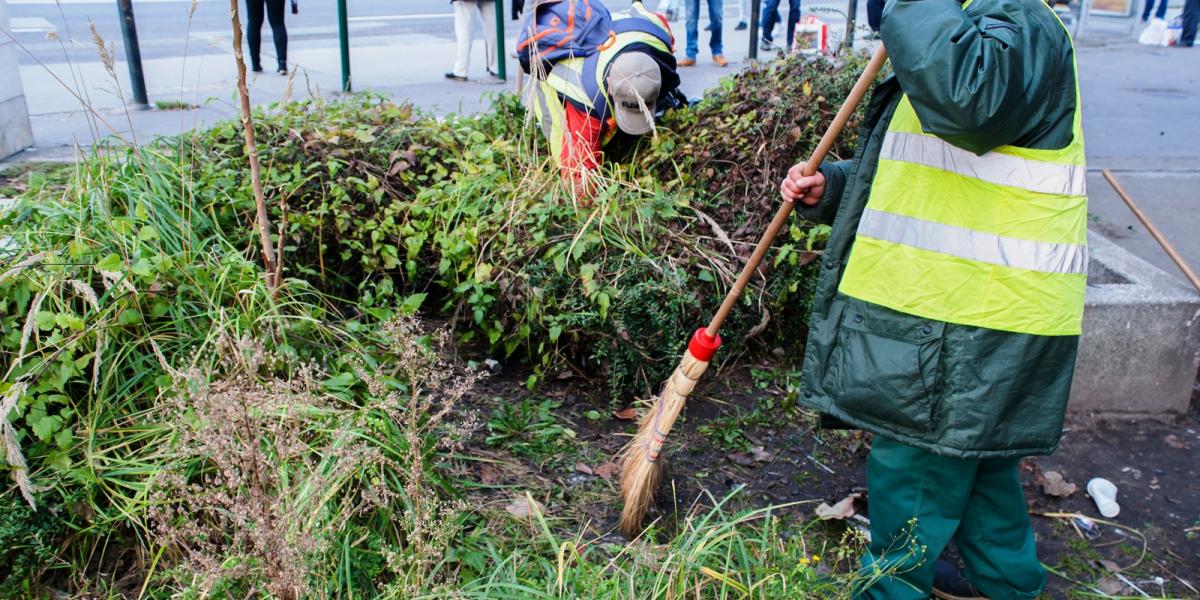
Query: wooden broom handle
point(1158, 236)
point(785, 208)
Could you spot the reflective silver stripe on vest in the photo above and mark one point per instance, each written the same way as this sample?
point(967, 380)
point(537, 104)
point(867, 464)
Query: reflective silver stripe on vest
point(990, 248)
point(993, 167)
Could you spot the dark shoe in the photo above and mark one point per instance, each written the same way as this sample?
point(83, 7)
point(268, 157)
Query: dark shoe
point(741, 26)
point(256, 68)
point(453, 77)
point(282, 70)
point(950, 584)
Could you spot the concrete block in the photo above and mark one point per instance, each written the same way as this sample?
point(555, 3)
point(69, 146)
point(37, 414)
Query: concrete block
point(1140, 348)
point(16, 134)
point(15, 131)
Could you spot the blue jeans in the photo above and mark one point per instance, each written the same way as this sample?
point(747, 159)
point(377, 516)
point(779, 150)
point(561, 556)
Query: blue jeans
point(771, 16)
point(693, 34)
point(1162, 10)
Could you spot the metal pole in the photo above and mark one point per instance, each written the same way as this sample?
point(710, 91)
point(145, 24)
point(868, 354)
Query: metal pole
point(755, 11)
point(851, 17)
point(133, 53)
point(501, 48)
point(344, 44)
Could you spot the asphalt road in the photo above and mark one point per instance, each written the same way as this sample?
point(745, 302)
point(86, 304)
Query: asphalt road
point(58, 30)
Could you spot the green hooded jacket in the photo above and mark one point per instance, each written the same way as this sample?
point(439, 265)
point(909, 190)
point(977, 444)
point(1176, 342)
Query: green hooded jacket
point(997, 72)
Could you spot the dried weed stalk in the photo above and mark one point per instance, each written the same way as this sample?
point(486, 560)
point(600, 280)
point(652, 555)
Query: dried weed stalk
point(272, 470)
point(425, 409)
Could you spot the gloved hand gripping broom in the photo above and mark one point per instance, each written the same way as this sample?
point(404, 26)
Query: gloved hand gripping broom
point(640, 464)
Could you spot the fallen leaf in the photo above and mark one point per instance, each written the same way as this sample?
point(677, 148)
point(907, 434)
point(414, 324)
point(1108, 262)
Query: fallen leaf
point(606, 470)
point(582, 468)
point(629, 414)
point(1053, 484)
point(760, 454)
point(1174, 441)
point(842, 510)
point(488, 473)
point(1110, 586)
point(1108, 565)
point(523, 507)
point(740, 458)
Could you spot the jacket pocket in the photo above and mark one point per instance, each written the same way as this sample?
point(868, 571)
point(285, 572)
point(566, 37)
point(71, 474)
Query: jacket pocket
point(886, 366)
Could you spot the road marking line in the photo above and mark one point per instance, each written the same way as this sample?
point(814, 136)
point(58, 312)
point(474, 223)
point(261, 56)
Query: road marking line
point(403, 17)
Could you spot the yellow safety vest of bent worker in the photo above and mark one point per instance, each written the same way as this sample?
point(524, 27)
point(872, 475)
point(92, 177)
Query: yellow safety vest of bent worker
point(997, 240)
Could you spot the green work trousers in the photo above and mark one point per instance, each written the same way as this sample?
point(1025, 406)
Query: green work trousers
point(919, 501)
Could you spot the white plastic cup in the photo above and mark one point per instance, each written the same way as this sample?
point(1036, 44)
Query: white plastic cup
point(1104, 494)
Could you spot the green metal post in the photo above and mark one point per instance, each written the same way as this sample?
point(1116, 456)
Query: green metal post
point(501, 51)
point(344, 42)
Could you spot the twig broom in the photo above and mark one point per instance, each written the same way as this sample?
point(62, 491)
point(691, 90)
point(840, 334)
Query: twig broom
point(640, 465)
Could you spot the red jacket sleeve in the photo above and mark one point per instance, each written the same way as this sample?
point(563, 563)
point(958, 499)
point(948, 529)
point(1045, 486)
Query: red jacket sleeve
point(581, 142)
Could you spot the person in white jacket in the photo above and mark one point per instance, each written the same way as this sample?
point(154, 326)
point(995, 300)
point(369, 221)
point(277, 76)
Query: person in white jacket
point(466, 12)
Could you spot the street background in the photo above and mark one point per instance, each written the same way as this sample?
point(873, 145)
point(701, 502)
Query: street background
point(1140, 103)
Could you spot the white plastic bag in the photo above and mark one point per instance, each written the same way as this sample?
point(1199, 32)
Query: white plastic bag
point(1153, 34)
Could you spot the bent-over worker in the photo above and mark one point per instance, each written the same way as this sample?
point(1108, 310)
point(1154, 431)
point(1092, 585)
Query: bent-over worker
point(584, 97)
point(948, 307)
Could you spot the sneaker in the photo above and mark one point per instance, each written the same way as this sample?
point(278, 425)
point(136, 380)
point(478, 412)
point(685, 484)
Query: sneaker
point(256, 68)
point(686, 62)
point(950, 584)
point(767, 46)
point(282, 70)
point(453, 77)
point(741, 26)
point(720, 60)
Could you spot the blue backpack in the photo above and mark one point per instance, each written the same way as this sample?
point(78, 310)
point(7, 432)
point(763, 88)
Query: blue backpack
point(559, 29)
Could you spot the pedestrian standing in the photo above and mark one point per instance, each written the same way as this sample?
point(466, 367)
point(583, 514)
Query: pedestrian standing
point(715, 8)
point(273, 11)
point(771, 16)
point(1191, 19)
point(466, 13)
point(947, 315)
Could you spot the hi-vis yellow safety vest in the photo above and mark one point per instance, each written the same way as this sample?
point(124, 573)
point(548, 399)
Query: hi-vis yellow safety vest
point(996, 241)
point(581, 80)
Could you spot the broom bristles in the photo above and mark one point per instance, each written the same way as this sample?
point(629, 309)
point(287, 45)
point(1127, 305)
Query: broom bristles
point(642, 459)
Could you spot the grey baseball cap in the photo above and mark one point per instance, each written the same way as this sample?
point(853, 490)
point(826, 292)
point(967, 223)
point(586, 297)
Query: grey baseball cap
point(633, 76)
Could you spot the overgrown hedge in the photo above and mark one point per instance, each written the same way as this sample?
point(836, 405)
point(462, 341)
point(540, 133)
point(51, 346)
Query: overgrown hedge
point(464, 218)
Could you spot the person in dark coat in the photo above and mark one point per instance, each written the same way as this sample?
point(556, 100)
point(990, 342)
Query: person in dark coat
point(949, 304)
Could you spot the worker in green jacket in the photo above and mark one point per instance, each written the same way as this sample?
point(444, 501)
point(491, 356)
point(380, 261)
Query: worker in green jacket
point(948, 306)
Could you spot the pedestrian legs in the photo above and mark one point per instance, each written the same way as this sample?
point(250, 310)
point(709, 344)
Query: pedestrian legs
point(1191, 18)
point(487, 18)
point(1160, 14)
point(254, 22)
point(716, 16)
point(793, 19)
point(278, 31)
point(691, 12)
point(770, 16)
point(466, 12)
